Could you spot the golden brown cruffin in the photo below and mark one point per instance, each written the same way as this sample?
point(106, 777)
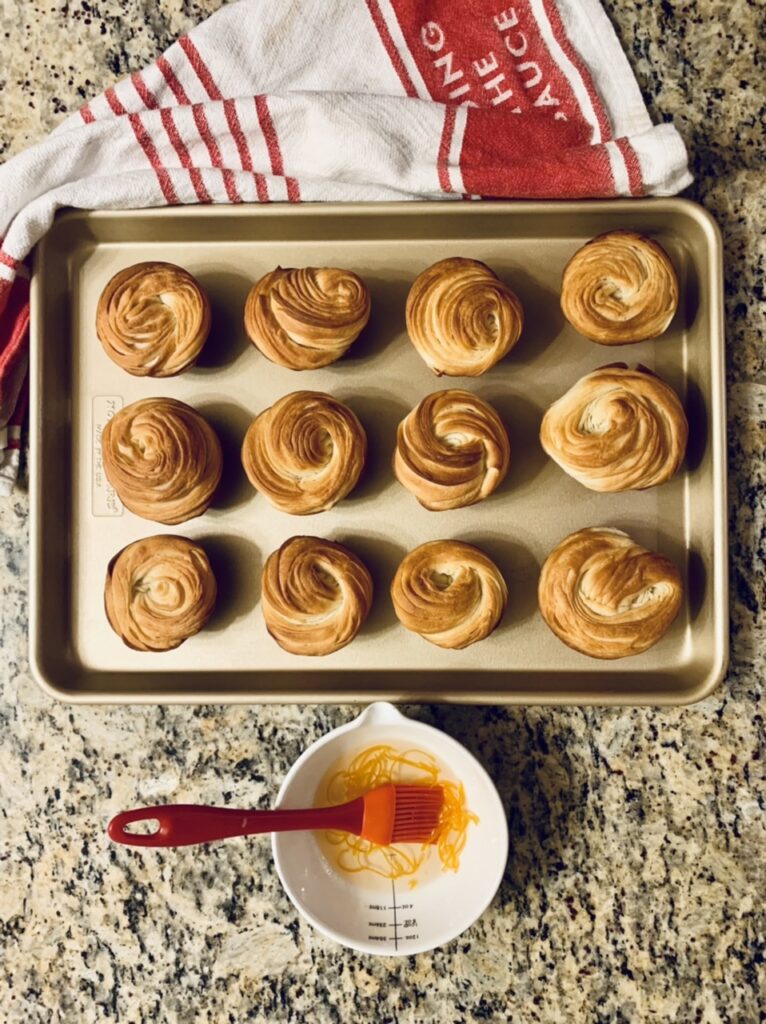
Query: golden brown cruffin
point(315, 595)
point(461, 317)
point(163, 459)
point(307, 318)
point(159, 592)
point(618, 288)
point(452, 450)
point(449, 592)
point(617, 429)
point(606, 596)
point(305, 453)
point(153, 319)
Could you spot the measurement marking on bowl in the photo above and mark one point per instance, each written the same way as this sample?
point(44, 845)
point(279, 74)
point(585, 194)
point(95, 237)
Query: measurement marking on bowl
point(384, 923)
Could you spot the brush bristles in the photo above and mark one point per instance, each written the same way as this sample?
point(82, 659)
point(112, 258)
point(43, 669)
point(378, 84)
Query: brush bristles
point(417, 813)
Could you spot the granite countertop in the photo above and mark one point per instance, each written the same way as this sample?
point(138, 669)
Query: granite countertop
point(634, 891)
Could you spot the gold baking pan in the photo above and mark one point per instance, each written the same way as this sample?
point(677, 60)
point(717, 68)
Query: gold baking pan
point(78, 524)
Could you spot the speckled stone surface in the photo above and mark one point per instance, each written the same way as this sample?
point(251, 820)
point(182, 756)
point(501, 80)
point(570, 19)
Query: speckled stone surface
point(634, 892)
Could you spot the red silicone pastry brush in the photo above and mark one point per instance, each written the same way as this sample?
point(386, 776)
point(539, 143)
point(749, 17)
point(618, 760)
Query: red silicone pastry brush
point(386, 815)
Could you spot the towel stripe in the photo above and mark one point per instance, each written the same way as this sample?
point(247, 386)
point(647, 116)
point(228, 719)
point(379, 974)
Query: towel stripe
point(442, 161)
point(9, 261)
point(245, 157)
point(200, 67)
point(561, 37)
point(166, 114)
point(272, 145)
point(87, 114)
point(146, 97)
point(634, 167)
point(390, 48)
point(203, 73)
point(456, 152)
point(114, 102)
point(145, 142)
point(170, 77)
point(619, 169)
point(200, 120)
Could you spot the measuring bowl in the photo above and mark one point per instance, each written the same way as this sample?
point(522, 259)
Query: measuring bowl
point(383, 916)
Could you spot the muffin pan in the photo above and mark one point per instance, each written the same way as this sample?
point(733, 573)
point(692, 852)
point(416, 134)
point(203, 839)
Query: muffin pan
point(78, 524)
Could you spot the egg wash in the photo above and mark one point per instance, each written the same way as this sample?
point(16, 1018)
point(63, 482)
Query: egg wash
point(376, 766)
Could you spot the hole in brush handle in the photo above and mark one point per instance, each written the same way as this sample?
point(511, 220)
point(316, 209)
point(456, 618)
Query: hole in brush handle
point(145, 827)
point(139, 827)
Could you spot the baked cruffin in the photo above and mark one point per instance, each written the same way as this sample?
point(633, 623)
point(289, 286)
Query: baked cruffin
point(163, 459)
point(617, 429)
point(153, 319)
point(606, 596)
point(315, 595)
point(462, 318)
point(159, 592)
point(304, 319)
point(452, 450)
point(449, 592)
point(305, 453)
point(618, 288)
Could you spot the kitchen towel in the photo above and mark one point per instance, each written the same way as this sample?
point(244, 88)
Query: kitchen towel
point(354, 100)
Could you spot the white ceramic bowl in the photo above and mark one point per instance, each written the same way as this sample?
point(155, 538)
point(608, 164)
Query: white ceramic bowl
point(376, 915)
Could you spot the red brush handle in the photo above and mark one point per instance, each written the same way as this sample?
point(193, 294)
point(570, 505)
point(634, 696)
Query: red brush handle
point(186, 824)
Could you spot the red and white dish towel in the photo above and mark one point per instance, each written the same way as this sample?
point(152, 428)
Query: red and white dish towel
point(301, 100)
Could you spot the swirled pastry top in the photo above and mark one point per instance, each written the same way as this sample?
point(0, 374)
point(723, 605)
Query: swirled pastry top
point(305, 453)
point(306, 318)
point(153, 319)
point(163, 459)
point(315, 595)
point(606, 596)
point(452, 450)
point(617, 429)
point(159, 592)
point(461, 317)
point(449, 592)
point(618, 288)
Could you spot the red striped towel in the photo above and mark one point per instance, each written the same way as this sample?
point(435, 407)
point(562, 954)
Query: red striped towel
point(297, 100)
